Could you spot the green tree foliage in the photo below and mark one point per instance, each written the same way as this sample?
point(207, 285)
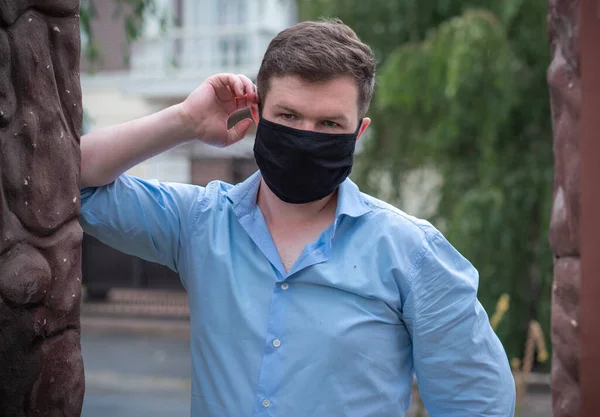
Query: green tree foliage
point(462, 90)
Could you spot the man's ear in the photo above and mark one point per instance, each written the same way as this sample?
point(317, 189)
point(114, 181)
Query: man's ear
point(363, 126)
point(255, 113)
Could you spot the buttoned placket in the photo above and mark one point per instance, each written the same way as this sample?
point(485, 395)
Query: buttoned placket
point(271, 372)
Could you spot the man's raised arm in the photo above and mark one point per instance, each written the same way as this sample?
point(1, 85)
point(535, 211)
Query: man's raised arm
point(148, 218)
point(109, 152)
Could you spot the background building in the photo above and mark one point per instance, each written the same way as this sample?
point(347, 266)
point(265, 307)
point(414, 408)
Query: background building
point(201, 38)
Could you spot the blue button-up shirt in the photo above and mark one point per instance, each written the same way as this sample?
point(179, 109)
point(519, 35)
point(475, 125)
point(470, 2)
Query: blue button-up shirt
point(378, 296)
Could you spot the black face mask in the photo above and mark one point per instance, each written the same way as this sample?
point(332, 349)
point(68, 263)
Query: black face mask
point(301, 166)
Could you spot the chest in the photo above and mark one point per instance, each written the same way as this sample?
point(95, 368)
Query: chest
point(331, 303)
point(240, 270)
point(338, 298)
point(290, 241)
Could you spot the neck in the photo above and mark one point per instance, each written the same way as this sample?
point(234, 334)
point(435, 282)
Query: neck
point(279, 213)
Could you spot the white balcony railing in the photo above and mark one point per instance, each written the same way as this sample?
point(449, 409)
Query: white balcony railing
point(201, 49)
point(174, 63)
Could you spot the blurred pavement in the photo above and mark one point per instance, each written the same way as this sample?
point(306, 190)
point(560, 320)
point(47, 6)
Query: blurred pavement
point(135, 374)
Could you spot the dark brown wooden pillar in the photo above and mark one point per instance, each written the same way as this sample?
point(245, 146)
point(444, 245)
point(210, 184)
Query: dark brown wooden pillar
point(590, 207)
point(565, 93)
point(41, 369)
point(574, 78)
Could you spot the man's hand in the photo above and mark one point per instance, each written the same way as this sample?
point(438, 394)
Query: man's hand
point(208, 107)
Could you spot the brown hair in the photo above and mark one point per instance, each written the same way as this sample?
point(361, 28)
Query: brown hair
point(319, 51)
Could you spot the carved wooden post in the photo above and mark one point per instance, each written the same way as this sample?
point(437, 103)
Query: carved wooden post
point(565, 93)
point(41, 369)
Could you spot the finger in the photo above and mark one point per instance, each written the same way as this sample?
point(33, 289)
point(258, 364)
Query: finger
point(236, 84)
point(249, 88)
point(238, 131)
point(227, 86)
point(241, 103)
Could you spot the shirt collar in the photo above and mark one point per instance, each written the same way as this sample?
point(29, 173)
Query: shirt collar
point(243, 195)
point(351, 201)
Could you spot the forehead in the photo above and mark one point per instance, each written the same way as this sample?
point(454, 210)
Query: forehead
point(314, 99)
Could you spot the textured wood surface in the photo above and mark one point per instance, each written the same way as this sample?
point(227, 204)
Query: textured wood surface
point(41, 369)
point(565, 93)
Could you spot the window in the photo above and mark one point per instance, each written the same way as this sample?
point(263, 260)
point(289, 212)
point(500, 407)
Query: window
point(233, 44)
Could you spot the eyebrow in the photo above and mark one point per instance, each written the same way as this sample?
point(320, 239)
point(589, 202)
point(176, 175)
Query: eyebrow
point(339, 117)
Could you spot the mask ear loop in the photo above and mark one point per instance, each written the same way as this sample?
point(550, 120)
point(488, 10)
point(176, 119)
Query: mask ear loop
point(258, 103)
point(360, 122)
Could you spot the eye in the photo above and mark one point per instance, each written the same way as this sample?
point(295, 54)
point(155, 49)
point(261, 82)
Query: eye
point(288, 116)
point(329, 123)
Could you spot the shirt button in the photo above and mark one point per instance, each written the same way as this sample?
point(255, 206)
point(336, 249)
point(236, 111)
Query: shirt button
point(266, 403)
point(285, 286)
point(276, 343)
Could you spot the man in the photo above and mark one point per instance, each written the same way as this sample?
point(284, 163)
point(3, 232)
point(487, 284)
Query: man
point(307, 297)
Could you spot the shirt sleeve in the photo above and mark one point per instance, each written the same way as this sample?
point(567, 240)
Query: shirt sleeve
point(140, 218)
point(461, 366)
